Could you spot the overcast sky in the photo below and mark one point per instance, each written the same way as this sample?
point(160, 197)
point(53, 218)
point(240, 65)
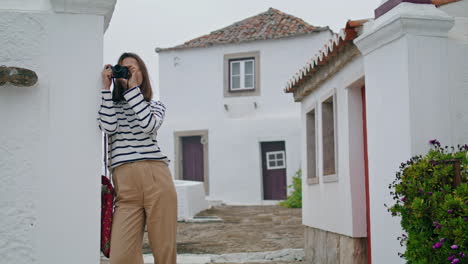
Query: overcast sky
point(142, 25)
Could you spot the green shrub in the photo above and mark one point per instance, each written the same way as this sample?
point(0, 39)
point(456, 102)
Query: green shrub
point(295, 199)
point(434, 212)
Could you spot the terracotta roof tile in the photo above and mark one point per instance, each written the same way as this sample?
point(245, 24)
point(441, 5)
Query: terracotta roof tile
point(443, 2)
point(349, 33)
point(272, 24)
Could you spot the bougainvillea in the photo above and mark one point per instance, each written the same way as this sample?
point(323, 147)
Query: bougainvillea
point(432, 208)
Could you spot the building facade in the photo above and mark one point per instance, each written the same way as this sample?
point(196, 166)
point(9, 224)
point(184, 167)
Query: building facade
point(226, 124)
point(372, 99)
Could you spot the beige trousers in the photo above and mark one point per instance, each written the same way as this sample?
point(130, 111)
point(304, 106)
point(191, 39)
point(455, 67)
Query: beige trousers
point(145, 194)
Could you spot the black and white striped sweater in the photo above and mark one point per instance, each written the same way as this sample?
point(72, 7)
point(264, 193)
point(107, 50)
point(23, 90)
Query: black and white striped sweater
point(132, 127)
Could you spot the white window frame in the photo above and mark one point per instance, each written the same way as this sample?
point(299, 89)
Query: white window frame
point(267, 158)
point(331, 177)
point(242, 74)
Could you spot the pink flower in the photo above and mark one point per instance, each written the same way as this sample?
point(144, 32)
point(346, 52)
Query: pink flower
point(434, 142)
point(455, 261)
point(437, 245)
point(454, 247)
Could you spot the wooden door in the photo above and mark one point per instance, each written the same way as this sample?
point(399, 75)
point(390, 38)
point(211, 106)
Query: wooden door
point(192, 158)
point(274, 170)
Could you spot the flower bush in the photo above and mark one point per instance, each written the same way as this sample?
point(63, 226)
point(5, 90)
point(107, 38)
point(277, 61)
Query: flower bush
point(295, 199)
point(434, 212)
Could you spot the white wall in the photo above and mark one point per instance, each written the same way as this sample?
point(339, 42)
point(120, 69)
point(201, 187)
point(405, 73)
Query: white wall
point(50, 154)
point(337, 206)
point(193, 94)
point(458, 85)
point(389, 142)
point(458, 70)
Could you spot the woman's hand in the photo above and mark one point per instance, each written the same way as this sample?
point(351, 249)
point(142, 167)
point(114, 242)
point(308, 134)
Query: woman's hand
point(136, 78)
point(106, 77)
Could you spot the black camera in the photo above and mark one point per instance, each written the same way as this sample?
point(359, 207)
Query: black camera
point(119, 71)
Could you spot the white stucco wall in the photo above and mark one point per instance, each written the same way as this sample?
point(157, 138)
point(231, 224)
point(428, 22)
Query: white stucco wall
point(412, 82)
point(458, 70)
point(389, 143)
point(337, 206)
point(50, 156)
point(193, 94)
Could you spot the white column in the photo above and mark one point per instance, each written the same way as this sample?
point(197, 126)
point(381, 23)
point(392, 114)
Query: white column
point(405, 57)
point(50, 154)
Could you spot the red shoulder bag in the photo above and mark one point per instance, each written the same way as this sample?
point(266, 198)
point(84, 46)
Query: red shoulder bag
point(107, 205)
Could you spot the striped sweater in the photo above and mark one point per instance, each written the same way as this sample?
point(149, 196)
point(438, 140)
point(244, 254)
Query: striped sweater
point(132, 127)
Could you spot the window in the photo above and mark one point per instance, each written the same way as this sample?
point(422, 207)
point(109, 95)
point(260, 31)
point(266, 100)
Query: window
point(311, 142)
point(242, 74)
point(275, 160)
point(329, 136)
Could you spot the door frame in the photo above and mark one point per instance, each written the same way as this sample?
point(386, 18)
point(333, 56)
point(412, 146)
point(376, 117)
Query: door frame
point(271, 139)
point(178, 135)
point(366, 170)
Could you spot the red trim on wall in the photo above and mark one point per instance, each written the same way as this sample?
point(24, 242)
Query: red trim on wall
point(390, 4)
point(366, 170)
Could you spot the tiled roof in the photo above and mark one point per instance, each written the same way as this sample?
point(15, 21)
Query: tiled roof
point(332, 47)
point(443, 2)
point(272, 24)
point(337, 41)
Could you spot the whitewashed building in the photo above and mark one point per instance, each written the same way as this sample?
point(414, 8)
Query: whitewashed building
point(371, 99)
point(228, 124)
point(50, 150)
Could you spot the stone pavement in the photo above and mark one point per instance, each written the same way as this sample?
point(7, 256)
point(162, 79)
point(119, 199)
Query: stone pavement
point(285, 256)
point(244, 229)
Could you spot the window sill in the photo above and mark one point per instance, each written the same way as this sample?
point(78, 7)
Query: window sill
point(312, 181)
point(238, 93)
point(241, 90)
point(330, 178)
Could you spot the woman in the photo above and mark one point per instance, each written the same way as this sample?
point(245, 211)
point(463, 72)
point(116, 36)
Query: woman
point(143, 183)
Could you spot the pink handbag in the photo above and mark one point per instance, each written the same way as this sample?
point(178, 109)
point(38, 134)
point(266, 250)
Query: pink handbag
point(107, 206)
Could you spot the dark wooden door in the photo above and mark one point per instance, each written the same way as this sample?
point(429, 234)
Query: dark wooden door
point(274, 170)
point(192, 158)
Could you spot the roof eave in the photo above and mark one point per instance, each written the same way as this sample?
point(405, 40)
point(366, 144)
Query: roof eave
point(181, 47)
point(347, 35)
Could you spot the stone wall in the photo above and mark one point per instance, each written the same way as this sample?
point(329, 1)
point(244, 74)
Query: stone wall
point(323, 247)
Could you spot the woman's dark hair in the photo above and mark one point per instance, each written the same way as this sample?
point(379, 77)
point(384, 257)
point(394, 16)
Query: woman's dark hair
point(145, 87)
